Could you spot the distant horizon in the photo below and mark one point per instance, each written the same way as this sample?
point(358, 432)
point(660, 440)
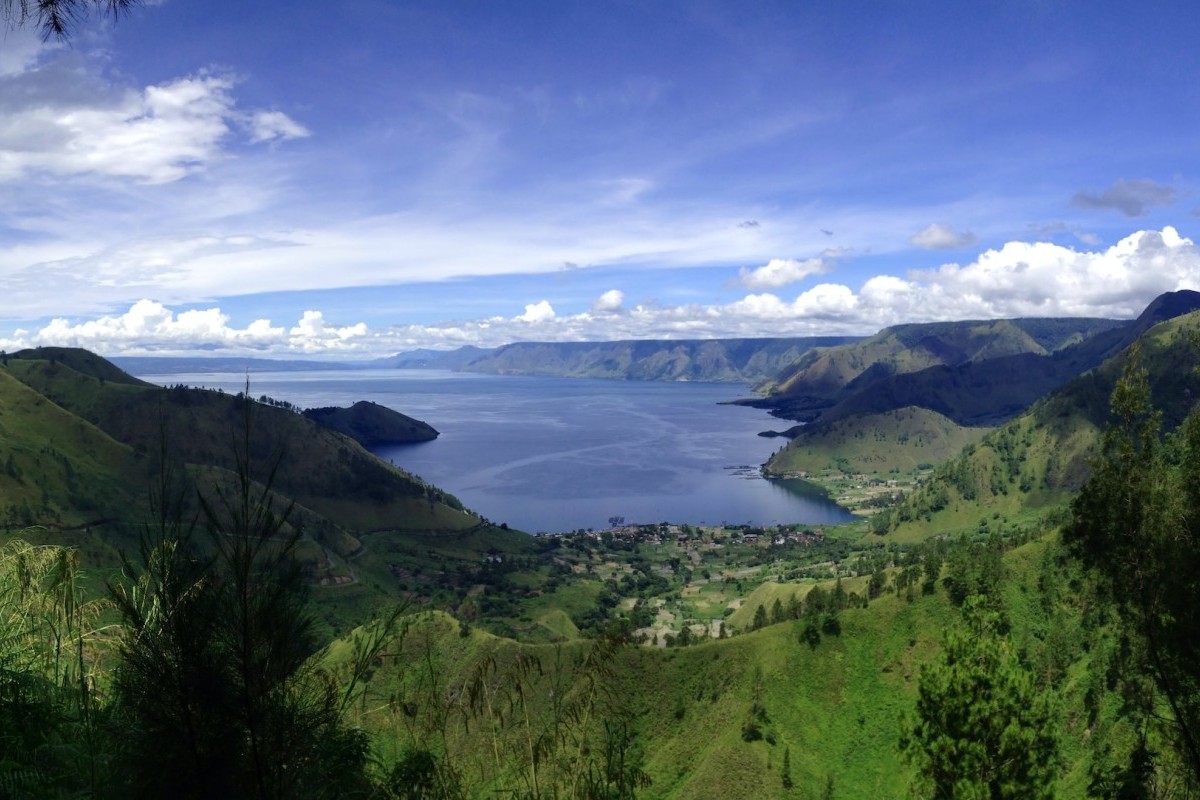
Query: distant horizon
point(344, 358)
point(370, 179)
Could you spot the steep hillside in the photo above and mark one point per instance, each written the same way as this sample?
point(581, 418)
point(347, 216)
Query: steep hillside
point(741, 360)
point(80, 452)
point(1035, 462)
point(822, 377)
point(992, 390)
point(82, 361)
point(57, 470)
point(321, 470)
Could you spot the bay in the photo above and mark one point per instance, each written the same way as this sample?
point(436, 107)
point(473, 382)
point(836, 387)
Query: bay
point(562, 454)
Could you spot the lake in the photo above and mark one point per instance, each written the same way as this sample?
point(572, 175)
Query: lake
point(560, 454)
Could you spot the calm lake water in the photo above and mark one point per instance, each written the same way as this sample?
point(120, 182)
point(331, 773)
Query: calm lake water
point(559, 454)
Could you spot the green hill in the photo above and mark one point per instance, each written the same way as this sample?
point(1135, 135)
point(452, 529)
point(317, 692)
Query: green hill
point(822, 377)
point(899, 440)
point(1037, 461)
point(975, 373)
point(58, 470)
point(81, 444)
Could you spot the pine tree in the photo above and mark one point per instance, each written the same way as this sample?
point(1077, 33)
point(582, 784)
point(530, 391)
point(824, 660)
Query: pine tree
point(982, 729)
point(1136, 523)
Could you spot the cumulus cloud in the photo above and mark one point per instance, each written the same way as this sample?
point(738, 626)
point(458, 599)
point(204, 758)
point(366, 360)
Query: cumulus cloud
point(780, 272)
point(62, 120)
point(1131, 198)
point(538, 312)
point(609, 302)
point(1020, 279)
point(149, 325)
point(313, 334)
point(942, 237)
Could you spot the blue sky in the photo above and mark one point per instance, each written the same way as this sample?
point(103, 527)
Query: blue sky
point(356, 179)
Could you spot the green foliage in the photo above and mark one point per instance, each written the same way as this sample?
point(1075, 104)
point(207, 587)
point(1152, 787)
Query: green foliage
point(982, 729)
point(216, 689)
point(582, 743)
point(1136, 523)
point(50, 726)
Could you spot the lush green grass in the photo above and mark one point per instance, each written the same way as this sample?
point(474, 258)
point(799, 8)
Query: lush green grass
point(58, 470)
point(837, 708)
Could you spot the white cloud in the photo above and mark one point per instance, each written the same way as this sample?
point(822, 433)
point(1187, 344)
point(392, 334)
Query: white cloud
point(1022, 279)
point(1018, 279)
point(267, 126)
point(149, 325)
point(156, 135)
point(21, 48)
point(63, 119)
point(609, 302)
point(942, 237)
point(538, 312)
point(312, 334)
point(780, 272)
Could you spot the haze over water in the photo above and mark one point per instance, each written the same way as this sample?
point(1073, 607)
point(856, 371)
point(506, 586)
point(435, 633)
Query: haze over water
point(558, 454)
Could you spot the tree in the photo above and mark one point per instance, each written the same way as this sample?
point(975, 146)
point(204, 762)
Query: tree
point(1136, 525)
point(217, 688)
point(56, 18)
point(982, 728)
point(760, 618)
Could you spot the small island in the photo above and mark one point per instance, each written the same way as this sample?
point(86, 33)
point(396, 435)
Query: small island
point(372, 425)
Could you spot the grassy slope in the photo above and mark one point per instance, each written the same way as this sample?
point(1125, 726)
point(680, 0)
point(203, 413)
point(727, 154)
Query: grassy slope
point(323, 471)
point(64, 470)
point(894, 440)
point(837, 708)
